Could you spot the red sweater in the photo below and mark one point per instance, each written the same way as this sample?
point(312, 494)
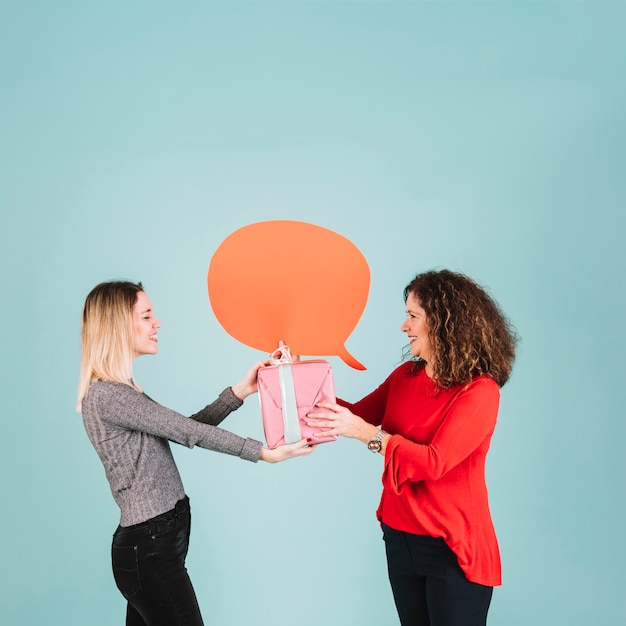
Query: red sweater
point(434, 468)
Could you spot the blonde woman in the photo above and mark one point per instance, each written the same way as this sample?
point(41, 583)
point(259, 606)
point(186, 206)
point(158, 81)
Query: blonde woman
point(131, 434)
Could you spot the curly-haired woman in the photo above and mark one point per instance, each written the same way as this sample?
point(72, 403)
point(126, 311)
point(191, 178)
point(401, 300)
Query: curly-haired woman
point(437, 413)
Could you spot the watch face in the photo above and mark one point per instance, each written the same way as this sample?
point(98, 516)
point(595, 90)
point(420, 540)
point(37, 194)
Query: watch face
point(374, 446)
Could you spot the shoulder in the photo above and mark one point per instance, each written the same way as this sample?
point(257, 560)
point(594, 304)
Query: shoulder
point(105, 391)
point(408, 372)
point(121, 405)
point(405, 375)
point(482, 389)
point(486, 384)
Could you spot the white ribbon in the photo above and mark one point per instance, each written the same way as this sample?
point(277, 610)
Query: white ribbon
point(281, 357)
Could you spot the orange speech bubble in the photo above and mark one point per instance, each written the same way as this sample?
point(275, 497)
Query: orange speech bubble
point(290, 281)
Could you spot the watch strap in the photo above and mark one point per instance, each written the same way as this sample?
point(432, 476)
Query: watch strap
point(375, 443)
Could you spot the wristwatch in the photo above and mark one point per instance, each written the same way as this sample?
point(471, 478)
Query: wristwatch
point(376, 443)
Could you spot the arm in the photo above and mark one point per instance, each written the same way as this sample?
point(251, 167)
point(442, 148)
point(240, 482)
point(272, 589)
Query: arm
point(343, 422)
point(125, 408)
point(467, 424)
point(357, 420)
point(216, 412)
point(230, 399)
point(371, 408)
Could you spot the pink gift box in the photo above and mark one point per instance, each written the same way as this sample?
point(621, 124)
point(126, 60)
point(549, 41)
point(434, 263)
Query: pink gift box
point(288, 392)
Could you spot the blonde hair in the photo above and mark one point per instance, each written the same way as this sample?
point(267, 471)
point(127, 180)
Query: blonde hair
point(106, 335)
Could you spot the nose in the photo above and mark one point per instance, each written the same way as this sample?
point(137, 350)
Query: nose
point(405, 325)
point(157, 323)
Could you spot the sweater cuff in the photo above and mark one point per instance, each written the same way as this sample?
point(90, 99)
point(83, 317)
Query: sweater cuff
point(230, 399)
point(251, 450)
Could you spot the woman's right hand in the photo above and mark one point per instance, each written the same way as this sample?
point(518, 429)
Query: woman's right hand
point(248, 384)
point(287, 451)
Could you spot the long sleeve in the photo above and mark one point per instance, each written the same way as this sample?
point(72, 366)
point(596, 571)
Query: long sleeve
point(131, 434)
point(122, 406)
point(372, 407)
point(434, 467)
point(466, 424)
point(219, 409)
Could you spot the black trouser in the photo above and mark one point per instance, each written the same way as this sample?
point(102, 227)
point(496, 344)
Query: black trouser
point(429, 587)
point(149, 569)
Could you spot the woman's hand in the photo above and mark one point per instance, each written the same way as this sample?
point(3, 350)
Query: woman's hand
point(341, 421)
point(248, 384)
point(288, 451)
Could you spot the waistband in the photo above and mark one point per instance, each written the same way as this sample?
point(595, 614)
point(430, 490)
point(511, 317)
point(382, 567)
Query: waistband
point(180, 508)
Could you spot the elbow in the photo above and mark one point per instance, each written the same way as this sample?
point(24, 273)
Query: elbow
point(435, 473)
point(435, 469)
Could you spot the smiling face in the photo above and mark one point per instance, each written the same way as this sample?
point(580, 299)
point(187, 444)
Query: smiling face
point(144, 326)
point(416, 327)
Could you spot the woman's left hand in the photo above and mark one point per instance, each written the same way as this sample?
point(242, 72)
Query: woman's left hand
point(248, 384)
point(341, 421)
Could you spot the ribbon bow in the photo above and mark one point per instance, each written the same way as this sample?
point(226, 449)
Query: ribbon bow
point(281, 356)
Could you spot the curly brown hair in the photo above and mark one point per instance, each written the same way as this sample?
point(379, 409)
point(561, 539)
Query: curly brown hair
point(469, 334)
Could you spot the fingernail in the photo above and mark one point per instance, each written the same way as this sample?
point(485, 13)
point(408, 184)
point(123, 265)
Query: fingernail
point(309, 439)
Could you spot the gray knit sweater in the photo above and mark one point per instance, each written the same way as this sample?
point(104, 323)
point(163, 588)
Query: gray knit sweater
point(131, 435)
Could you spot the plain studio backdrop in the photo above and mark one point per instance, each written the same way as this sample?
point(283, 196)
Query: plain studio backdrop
point(484, 137)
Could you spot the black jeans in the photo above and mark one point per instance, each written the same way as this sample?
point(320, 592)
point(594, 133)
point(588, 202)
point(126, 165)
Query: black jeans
point(429, 587)
point(149, 569)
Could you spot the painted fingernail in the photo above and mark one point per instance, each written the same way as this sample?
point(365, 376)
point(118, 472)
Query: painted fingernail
point(309, 439)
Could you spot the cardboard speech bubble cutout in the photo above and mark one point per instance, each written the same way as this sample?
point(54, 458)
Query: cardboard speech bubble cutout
point(290, 281)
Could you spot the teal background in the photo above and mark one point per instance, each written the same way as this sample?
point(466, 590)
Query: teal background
point(486, 137)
